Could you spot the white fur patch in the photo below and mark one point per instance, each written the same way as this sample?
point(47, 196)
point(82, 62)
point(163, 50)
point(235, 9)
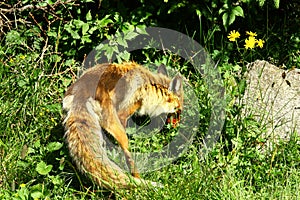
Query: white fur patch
point(67, 105)
point(156, 108)
point(94, 108)
point(67, 102)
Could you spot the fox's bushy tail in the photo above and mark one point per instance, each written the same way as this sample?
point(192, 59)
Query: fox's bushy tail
point(86, 144)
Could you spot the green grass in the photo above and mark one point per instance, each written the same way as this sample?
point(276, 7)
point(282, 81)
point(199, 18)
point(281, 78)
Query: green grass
point(34, 161)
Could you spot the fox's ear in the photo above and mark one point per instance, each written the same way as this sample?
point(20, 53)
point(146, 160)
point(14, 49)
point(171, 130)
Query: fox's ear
point(162, 70)
point(176, 85)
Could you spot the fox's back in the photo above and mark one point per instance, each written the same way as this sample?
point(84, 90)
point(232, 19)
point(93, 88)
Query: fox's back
point(107, 78)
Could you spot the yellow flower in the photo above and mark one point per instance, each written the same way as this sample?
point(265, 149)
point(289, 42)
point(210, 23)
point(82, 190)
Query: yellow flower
point(251, 34)
point(250, 42)
point(260, 43)
point(233, 35)
point(22, 185)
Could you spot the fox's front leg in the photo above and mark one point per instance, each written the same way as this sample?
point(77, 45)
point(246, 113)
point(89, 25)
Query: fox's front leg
point(125, 113)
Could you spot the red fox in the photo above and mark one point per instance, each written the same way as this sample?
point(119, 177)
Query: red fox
point(104, 97)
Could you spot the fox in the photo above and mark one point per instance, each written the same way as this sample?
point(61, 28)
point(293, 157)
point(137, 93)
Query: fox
point(100, 102)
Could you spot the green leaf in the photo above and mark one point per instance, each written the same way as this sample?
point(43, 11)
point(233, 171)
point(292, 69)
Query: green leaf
point(261, 2)
point(51, 34)
point(130, 35)
point(54, 146)
point(43, 169)
point(66, 82)
point(92, 29)
point(85, 28)
point(236, 68)
point(36, 195)
point(238, 11)
point(88, 16)
point(242, 86)
point(86, 39)
point(104, 22)
point(21, 83)
point(141, 29)
point(123, 56)
point(69, 29)
point(222, 10)
point(56, 180)
point(122, 41)
point(50, 2)
point(75, 35)
point(110, 51)
point(42, 4)
point(22, 164)
point(37, 144)
point(225, 18)
point(30, 150)
point(231, 19)
point(276, 3)
point(198, 12)
point(78, 23)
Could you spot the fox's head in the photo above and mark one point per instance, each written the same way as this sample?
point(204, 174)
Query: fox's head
point(176, 98)
point(153, 94)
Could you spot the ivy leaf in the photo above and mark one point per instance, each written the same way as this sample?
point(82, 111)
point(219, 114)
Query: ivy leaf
point(43, 169)
point(122, 41)
point(123, 56)
point(130, 35)
point(141, 29)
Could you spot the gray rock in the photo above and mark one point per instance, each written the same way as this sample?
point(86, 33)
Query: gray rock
point(273, 97)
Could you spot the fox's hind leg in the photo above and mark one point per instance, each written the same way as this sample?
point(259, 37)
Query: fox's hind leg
point(115, 127)
point(118, 132)
point(124, 114)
